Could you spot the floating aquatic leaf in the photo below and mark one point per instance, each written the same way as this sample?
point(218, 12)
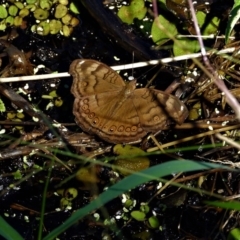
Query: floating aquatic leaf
point(41, 14)
point(128, 163)
point(43, 28)
point(153, 222)
point(45, 4)
point(136, 9)
point(13, 10)
point(74, 22)
point(145, 208)
point(31, 1)
point(31, 7)
point(24, 12)
point(2, 106)
point(66, 19)
point(71, 193)
point(161, 35)
point(63, 2)
point(55, 26)
point(185, 46)
point(17, 175)
point(138, 215)
point(19, 5)
point(3, 25)
point(74, 8)
point(18, 21)
point(234, 234)
point(3, 12)
point(58, 102)
point(210, 27)
point(9, 20)
point(194, 111)
point(20, 115)
point(60, 11)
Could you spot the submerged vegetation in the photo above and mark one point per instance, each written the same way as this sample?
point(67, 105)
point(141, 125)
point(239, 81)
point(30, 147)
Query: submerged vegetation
point(50, 17)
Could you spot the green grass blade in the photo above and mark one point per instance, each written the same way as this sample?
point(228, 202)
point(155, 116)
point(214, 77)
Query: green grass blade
point(232, 205)
point(8, 232)
point(130, 182)
point(233, 19)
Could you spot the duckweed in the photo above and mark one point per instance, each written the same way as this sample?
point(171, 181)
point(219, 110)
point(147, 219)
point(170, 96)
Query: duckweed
point(153, 222)
point(45, 4)
point(43, 28)
point(136, 9)
point(52, 16)
point(20, 115)
point(41, 14)
point(24, 12)
point(63, 2)
point(55, 26)
point(19, 5)
point(18, 21)
point(3, 12)
point(67, 18)
point(58, 102)
point(13, 10)
point(71, 193)
point(67, 30)
point(2, 106)
point(3, 25)
point(138, 215)
point(87, 175)
point(31, 1)
point(74, 8)
point(61, 11)
point(9, 20)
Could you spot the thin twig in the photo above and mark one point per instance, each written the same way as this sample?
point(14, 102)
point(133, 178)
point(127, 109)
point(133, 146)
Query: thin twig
point(119, 67)
point(231, 100)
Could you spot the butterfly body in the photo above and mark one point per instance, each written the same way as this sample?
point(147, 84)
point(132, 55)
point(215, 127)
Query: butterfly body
point(116, 111)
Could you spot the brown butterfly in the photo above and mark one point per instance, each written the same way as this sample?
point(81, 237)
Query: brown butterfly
point(116, 111)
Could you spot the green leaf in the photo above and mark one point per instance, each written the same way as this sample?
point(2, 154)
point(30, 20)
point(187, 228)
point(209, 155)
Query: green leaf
point(130, 159)
point(60, 11)
point(13, 10)
point(152, 173)
point(74, 8)
point(234, 17)
point(153, 221)
point(2, 106)
point(138, 215)
point(3, 25)
point(3, 12)
point(233, 205)
point(185, 46)
point(17, 175)
point(210, 27)
point(136, 9)
point(234, 234)
point(41, 14)
point(159, 34)
point(145, 208)
point(8, 232)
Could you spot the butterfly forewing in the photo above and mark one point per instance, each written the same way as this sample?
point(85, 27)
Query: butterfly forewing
point(92, 77)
